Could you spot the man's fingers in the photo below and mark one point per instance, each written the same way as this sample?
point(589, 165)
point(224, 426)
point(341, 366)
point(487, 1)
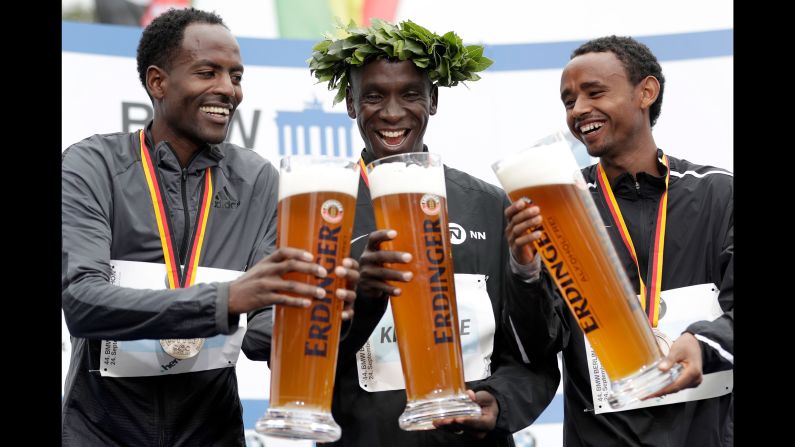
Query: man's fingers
point(278, 298)
point(526, 225)
point(377, 237)
point(385, 257)
point(689, 377)
point(514, 208)
point(350, 264)
point(370, 288)
point(528, 238)
point(285, 253)
point(349, 296)
point(295, 287)
point(519, 211)
point(371, 273)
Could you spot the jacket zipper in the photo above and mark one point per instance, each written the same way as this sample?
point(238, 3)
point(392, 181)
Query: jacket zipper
point(161, 441)
point(642, 232)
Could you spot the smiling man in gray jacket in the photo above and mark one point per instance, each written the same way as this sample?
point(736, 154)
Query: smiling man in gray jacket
point(158, 225)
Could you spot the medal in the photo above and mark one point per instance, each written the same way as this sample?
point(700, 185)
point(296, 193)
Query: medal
point(177, 277)
point(182, 348)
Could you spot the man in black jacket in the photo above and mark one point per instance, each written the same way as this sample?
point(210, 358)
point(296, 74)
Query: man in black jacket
point(392, 99)
point(612, 90)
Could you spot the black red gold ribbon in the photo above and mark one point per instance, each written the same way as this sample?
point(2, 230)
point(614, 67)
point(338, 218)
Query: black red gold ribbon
point(650, 298)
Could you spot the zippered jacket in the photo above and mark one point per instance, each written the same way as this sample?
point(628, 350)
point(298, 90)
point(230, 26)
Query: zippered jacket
point(107, 214)
point(698, 251)
point(522, 390)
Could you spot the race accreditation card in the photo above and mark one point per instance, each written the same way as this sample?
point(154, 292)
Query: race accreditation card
point(681, 308)
point(146, 357)
point(378, 362)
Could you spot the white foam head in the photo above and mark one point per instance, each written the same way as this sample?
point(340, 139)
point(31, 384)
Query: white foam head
point(399, 178)
point(551, 164)
point(329, 177)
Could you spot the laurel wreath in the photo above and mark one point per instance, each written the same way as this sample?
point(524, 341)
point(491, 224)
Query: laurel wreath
point(445, 58)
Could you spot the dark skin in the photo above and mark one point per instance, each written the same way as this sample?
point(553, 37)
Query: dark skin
point(194, 100)
point(392, 103)
point(597, 93)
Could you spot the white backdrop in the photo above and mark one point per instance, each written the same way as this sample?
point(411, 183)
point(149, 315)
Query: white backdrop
point(473, 127)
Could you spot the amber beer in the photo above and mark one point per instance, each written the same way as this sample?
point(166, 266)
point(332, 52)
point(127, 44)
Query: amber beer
point(409, 196)
point(317, 200)
point(580, 257)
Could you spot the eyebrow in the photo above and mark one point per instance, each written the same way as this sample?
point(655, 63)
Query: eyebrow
point(583, 86)
point(215, 65)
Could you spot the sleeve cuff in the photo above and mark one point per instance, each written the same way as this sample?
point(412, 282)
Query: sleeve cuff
point(502, 415)
point(225, 323)
point(527, 273)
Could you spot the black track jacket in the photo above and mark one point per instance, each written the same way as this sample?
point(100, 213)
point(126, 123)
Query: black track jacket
point(699, 249)
point(522, 390)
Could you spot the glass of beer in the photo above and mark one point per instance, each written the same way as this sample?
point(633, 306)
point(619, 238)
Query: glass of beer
point(409, 196)
point(317, 201)
point(580, 257)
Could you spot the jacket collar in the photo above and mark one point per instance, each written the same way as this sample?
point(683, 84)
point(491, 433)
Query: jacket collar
point(164, 156)
point(647, 184)
point(369, 157)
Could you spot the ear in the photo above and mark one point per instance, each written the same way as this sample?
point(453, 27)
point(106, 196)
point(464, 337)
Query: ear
point(434, 98)
point(649, 90)
point(156, 81)
point(349, 102)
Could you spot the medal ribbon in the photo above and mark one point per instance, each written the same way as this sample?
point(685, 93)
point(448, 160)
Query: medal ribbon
point(177, 277)
point(650, 298)
point(363, 172)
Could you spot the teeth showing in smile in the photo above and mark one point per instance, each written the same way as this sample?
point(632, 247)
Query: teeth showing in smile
point(590, 127)
point(393, 133)
point(215, 110)
point(393, 137)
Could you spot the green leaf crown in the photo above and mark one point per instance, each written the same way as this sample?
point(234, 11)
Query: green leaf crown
point(446, 60)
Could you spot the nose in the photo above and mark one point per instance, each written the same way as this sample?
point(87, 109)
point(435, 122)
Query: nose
point(225, 86)
point(393, 110)
point(582, 106)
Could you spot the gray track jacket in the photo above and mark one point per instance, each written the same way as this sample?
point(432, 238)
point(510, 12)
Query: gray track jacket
point(107, 214)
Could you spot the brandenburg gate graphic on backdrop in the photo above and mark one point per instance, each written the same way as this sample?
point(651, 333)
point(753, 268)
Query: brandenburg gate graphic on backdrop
point(294, 128)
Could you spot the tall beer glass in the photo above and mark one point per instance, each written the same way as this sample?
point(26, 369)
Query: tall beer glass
point(580, 257)
point(409, 196)
point(317, 200)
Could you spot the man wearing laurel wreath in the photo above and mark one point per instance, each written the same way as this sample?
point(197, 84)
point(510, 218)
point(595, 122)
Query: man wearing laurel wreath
point(391, 89)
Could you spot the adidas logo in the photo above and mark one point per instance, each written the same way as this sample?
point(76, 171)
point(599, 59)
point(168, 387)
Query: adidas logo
point(223, 199)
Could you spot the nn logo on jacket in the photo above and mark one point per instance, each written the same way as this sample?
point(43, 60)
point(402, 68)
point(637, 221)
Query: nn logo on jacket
point(223, 199)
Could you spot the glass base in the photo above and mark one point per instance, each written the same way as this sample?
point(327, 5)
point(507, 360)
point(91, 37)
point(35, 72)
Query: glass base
point(420, 414)
point(298, 424)
point(633, 388)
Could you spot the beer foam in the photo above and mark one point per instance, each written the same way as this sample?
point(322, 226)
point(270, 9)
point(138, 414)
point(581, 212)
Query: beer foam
point(306, 179)
point(398, 178)
point(552, 164)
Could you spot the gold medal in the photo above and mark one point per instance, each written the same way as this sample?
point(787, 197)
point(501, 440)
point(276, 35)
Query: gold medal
point(662, 341)
point(182, 348)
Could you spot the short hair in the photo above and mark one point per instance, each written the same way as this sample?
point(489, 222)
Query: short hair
point(163, 37)
point(636, 58)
